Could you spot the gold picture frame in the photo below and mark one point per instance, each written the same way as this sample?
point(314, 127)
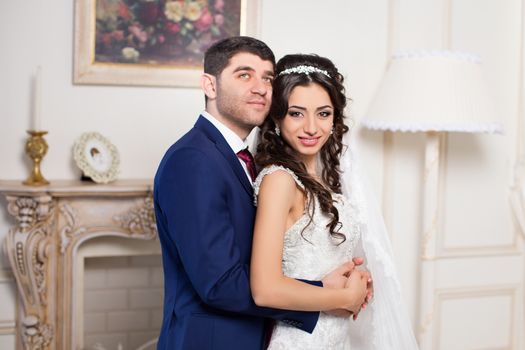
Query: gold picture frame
point(94, 33)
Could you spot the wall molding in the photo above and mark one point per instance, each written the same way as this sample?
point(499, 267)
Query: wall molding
point(392, 44)
point(7, 327)
point(510, 291)
point(444, 251)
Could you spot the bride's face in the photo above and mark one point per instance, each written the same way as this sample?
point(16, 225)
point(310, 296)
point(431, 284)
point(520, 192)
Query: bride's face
point(308, 121)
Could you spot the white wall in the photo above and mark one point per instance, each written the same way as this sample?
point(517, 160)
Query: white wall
point(359, 37)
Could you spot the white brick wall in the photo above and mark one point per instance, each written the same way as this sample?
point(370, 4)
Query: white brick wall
point(123, 299)
point(145, 298)
point(105, 299)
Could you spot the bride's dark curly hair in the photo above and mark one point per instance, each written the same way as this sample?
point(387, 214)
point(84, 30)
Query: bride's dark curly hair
point(273, 149)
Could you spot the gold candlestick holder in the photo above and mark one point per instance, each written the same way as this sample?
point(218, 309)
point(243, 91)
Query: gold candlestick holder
point(36, 149)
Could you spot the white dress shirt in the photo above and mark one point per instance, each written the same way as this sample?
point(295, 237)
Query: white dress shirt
point(234, 141)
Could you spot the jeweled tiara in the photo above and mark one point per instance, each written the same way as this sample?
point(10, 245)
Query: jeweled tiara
point(304, 70)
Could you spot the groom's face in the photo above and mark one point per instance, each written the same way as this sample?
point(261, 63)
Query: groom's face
point(244, 90)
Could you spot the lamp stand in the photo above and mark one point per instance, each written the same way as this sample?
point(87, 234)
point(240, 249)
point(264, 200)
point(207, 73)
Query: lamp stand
point(433, 176)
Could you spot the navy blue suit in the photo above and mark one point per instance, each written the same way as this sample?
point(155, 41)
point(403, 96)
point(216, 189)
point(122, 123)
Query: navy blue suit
point(205, 216)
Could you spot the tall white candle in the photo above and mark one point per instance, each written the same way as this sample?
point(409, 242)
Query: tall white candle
point(37, 100)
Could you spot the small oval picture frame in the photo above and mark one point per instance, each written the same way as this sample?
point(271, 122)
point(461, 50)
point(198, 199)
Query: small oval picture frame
point(97, 157)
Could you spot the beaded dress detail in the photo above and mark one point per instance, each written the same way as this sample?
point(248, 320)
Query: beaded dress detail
point(310, 253)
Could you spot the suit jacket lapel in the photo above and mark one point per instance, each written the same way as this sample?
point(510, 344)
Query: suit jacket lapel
point(231, 158)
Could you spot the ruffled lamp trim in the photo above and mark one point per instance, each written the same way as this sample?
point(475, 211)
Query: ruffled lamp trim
point(489, 128)
point(457, 55)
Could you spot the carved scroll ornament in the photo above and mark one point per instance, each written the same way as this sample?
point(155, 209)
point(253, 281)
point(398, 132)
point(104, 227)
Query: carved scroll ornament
point(29, 245)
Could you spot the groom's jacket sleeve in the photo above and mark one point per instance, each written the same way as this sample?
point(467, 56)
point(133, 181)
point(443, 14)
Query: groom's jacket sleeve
point(193, 198)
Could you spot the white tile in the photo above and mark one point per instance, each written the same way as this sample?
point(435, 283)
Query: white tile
point(146, 261)
point(156, 318)
point(157, 277)
point(145, 298)
point(94, 278)
point(101, 300)
point(94, 322)
point(128, 277)
point(128, 320)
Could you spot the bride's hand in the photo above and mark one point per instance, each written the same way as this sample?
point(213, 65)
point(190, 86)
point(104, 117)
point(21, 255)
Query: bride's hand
point(337, 278)
point(369, 294)
point(357, 287)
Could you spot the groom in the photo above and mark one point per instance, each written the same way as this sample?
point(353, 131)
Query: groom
point(205, 213)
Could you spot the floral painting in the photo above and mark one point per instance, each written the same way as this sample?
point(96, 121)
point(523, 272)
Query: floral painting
point(153, 42)
point(167, 32)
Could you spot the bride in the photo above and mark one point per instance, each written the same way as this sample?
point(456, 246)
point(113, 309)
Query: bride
point(310, 219)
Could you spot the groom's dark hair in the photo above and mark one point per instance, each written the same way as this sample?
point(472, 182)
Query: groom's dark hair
point(218, 55)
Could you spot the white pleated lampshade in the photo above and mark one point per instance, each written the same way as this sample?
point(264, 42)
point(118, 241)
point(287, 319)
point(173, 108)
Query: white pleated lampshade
point(433, 91)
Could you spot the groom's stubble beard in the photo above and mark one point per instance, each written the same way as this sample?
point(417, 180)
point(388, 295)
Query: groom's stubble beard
point(234, 108)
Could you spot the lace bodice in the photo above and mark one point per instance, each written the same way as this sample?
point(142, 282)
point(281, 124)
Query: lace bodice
point(310, 252)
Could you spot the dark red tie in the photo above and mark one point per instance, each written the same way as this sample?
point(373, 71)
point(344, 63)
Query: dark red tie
point(247, 158)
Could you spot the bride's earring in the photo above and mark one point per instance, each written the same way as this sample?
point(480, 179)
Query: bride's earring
point(277, 130)
point(332, 131)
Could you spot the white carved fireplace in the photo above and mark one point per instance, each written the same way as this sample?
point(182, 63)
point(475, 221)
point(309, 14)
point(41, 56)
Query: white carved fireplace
point(57, 228)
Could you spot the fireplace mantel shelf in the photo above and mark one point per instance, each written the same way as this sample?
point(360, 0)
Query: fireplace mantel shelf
point(68, 188)
point(51, 223)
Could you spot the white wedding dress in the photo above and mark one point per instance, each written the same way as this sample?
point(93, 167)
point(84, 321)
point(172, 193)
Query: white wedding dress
point(384, 324)
point(310, 254)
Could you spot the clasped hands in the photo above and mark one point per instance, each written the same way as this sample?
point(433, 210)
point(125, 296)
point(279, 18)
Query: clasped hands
point(356, 279)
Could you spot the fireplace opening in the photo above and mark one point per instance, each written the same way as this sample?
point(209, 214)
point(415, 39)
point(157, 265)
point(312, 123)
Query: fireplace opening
point(120, 294)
